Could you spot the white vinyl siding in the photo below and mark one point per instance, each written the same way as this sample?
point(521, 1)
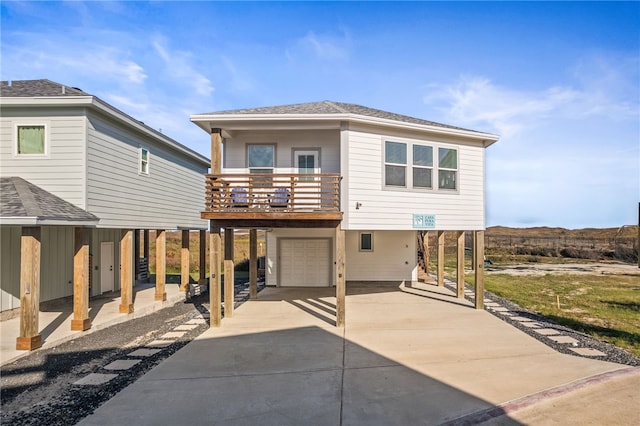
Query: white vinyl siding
point(171, 196)
point(386, 208)
point(394, 257)
point(61, 170)
point(326, 142)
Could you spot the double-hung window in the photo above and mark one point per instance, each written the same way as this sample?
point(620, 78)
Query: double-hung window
point(31, 140)
point(261, 158)
point(422, 166)
point(447, 168)
point(395, 164)
point(143, 165)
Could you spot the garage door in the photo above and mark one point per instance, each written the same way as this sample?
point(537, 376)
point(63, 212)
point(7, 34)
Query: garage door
point(305, 262)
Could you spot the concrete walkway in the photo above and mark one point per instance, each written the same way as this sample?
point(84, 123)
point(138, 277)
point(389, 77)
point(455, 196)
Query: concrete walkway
point(55, 319)
point(406, 356)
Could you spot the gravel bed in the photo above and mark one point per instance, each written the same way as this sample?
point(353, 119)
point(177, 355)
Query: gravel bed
point(613, 353)
point(38, 389)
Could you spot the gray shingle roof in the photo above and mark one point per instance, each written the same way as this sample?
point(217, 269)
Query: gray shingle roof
point(37, 88)
point(338, 108)
point(23, 200)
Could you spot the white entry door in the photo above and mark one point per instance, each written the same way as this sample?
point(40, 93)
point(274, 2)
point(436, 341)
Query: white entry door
point(306, 162)
point(106, 267)
point(305, 262)
point(307, 190)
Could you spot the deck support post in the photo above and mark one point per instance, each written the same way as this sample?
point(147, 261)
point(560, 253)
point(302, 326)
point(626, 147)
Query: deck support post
point(460, 265)
point(440, 258)
point(215, 299)
point(253, 263)
point(136, 255)
point(425, 250)
point(203, 257)
point(126, 271)
point(161, 265)
point(478, 259)
point(184, 262)
point(81, 320)
point(30, 246)
point(340, 276)
point(228, 272)
point(145, 244)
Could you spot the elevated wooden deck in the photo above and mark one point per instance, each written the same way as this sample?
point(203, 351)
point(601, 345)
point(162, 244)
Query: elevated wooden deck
point(273, 200)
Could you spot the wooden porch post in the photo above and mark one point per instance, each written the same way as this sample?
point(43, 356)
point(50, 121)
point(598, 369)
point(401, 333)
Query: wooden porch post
point(473, 251)
point(253, 263)
point(215, 249)
point(136, 255)
point(478, 255)
point(203, 257)
point(440, 258)
point(30, 246)
point(81, 320)
point(340, 277)
point(425, 249)
point(184, 262)
point(215, 244)
point(228, 272)
point(145, 245)
point(460, 273)
point(161, 265)
point(126, 271)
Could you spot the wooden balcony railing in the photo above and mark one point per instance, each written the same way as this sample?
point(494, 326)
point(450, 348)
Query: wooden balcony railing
point(272, 193)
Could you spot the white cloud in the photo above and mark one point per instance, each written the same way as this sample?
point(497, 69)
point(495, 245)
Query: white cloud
point(324, 48)
point(605, 90)
point(179, 66)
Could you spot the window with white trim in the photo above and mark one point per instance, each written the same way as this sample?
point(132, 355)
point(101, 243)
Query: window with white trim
point(447, 168)
point(144, 161)
point(261, 158)
point(31, 139)
point(422, 166)
point(395, 164)
point(366, 241)
point(414, 166)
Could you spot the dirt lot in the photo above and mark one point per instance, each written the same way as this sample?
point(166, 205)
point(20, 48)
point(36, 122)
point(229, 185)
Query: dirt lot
point(592, 268)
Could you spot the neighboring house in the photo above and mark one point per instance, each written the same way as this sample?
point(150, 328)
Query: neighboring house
point(79, 179)
point(342, 189)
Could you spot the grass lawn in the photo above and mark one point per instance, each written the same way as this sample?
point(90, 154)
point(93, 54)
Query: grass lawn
point(606, 307)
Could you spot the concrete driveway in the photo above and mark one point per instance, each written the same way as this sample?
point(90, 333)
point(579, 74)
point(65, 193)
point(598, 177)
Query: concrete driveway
point(406, 356)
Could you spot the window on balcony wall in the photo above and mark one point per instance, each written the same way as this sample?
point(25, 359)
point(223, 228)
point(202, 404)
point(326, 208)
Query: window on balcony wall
point(143, 167)
point(31, 140)
point(261, 158)
point(447, 168)
point(422, 166)
point(395, 164)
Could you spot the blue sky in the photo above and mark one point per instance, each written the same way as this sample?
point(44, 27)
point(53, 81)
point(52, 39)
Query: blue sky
point(559, 82)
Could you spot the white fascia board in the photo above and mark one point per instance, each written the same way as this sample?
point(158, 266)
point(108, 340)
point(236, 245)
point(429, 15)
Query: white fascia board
point(282, 121)
point(94, 102)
